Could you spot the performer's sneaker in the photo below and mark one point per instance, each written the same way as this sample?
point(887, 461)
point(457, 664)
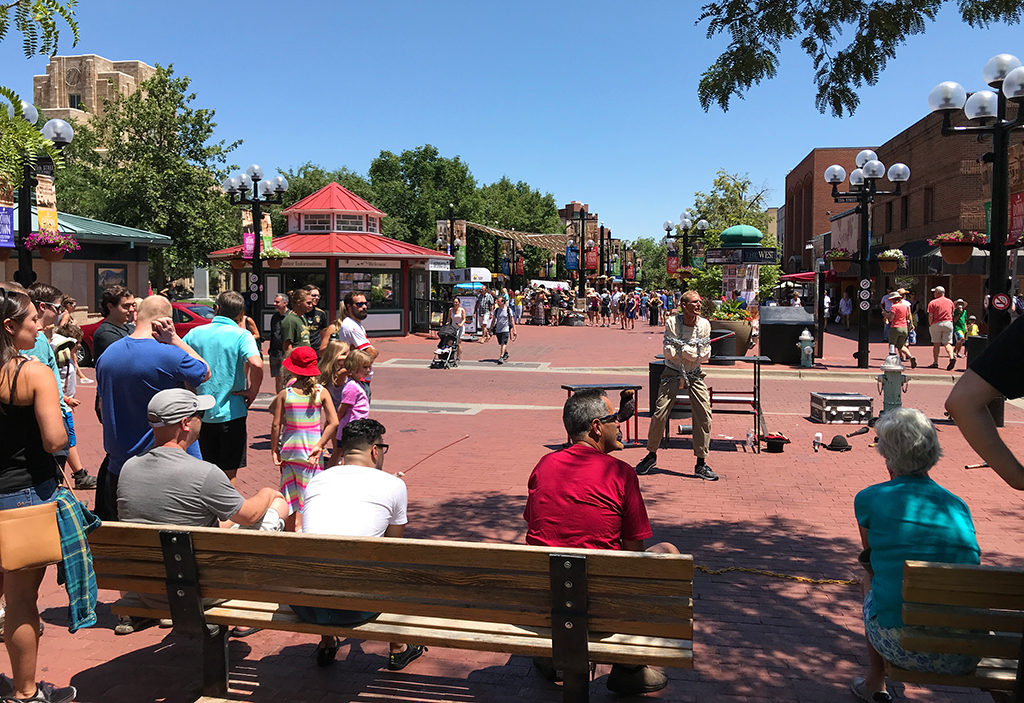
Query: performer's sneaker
point(704, 471)
point(647, 463)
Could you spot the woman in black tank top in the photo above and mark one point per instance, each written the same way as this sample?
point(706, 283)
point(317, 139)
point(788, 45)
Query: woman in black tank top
point(33, 429)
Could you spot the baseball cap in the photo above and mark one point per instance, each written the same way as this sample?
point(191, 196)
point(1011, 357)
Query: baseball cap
point(938, 288)
point(169, 406)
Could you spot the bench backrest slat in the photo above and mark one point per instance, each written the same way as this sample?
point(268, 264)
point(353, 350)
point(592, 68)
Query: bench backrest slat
point(641, 594)
point(963, 585)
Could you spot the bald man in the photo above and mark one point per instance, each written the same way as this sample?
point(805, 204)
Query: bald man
point(131, 371)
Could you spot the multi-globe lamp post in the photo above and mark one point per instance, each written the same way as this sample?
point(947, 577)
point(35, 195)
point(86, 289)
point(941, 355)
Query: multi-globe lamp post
point(863, 189)
point(686, 224)
point(60, 133)
point(250, 188)
point(1005, 74)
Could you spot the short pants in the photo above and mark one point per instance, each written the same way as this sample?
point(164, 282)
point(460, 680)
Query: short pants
point(275, 365)
point(224, 443)
point(886, 641)
point(942, 333)
point(69, 425)
point(898, 336)
point(502, 337)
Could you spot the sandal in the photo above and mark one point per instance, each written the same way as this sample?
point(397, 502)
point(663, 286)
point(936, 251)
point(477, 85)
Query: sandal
point(399, 660)
point(859, 689)
point(325, 655)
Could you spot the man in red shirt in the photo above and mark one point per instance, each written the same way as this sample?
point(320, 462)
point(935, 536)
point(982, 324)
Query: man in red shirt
point(940, 326)
point(582, 497)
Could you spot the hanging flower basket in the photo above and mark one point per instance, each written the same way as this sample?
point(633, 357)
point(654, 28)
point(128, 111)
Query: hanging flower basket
point(891, 259)
point(956, 252)
point(51, 254)
point(840, 265)
point(684, 272)
point(274, 263)
point(238, 264)
point(957, 247)
point(274, 257)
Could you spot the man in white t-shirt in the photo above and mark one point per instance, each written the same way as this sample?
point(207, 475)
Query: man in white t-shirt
point(353, 332)
point(357, 499)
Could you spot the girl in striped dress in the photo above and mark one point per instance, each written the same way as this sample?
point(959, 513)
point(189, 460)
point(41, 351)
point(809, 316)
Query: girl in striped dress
point(304, 423)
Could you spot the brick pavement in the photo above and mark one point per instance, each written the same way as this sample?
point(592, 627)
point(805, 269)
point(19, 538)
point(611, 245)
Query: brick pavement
point(757, 638)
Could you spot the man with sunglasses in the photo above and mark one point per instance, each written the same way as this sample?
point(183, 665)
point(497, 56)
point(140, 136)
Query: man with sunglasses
point(687, 345)
point(582, 497)
point(353, 332)
point(356, 498)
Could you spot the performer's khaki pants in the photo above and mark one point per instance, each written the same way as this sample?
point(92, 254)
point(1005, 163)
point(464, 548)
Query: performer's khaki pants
point(700, 402)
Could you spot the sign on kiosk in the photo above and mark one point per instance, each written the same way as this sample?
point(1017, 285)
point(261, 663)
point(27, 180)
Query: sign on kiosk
point(470, 275)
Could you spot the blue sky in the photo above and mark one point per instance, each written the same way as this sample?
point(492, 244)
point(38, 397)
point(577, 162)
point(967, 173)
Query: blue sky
point(588, 100)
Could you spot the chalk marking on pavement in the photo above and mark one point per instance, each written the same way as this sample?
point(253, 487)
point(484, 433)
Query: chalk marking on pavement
point(423, 407)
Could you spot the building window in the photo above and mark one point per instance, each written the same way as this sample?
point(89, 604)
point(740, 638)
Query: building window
point(904, 212)
point(382, 288)
point(75, 101)
point(888, 216)
point(348, 223)
point(316, 223)
point(371, 225)
point(929, 205)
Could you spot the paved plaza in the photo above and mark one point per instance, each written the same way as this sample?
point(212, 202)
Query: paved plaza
point(757, 637)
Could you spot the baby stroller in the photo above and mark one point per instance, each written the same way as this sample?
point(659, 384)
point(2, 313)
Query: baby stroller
point(446, 354)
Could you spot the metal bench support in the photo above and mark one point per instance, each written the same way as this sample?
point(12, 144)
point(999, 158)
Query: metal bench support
point(570, 630)
point(187, 612)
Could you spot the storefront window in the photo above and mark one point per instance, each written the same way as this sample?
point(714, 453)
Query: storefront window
point(381, 288)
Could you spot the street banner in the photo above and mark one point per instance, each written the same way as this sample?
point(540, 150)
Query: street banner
point(572, 258)
point(592, 260)
point(520, 266)
point(672, 263)
point(630, 271)
point(616, 268)
point(6, 215)
point(506, 267)
point(248, 244)
point(46, 205)
point(460, 257)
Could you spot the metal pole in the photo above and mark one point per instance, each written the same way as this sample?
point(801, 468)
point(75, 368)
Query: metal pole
point(451, 227)
point(686, 246)
point(25, 275)
point(998, 320)
point(864, 316)
point(603, 265)
point(256, 281)
point(820, 278)
point(581, 259)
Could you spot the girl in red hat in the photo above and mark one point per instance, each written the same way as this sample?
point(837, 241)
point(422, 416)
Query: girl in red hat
point(304, 422)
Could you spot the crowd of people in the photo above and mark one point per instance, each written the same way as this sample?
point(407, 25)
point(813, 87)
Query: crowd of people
point(173, 453)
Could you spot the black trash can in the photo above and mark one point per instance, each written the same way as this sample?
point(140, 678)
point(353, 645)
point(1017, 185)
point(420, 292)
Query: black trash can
point(780, 333)
point(975, 346)
point(722, 347)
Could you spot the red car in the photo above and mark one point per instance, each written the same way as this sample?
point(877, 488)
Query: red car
point(185, 316)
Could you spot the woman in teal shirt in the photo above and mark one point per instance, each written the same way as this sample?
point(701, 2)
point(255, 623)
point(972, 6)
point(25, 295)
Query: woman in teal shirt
point(908, 517)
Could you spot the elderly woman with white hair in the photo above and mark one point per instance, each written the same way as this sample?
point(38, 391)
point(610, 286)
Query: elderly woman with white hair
point(909, 516)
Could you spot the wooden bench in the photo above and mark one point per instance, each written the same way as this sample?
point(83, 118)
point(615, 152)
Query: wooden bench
point(574, 605)
point(972, 610)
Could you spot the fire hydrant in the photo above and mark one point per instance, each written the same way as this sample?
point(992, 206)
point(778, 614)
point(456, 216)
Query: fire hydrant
point(892, 384)
point(806, 346)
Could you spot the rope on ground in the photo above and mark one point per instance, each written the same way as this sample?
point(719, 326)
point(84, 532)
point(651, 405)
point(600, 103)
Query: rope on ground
point(775, 574)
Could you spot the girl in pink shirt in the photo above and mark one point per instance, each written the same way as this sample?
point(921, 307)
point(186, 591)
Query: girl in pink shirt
point(353, 403)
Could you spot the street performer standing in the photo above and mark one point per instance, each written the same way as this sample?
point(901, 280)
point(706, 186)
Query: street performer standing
point(687, 345)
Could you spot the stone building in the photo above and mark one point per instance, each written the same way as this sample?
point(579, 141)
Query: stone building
point(74, 87)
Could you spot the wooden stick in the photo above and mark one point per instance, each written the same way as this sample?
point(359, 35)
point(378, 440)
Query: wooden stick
point(976, 466)
point(401, 474)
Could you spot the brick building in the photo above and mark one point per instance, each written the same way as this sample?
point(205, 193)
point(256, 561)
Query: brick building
point(74, 87)
point(809, 204)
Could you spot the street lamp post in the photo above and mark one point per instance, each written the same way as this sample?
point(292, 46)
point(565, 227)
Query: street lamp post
point(602, 254)
point(1005, 74)
point(686, 223)
point(263, 192)
point(863, 189)
point(60, 133)
point(451, 226)
point(581, 259)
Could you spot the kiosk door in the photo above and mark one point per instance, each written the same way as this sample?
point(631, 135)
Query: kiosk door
point(420, 280)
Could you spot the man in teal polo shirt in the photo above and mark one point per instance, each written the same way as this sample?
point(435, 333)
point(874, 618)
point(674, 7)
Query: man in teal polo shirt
point(236, 372)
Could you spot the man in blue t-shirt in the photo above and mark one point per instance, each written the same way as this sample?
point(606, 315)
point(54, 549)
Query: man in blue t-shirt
point(236, 372)
point(131, 371)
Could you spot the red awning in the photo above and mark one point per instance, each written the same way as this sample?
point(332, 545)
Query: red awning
point(343, 244)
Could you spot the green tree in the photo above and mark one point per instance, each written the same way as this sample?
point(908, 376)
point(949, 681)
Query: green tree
point(517, 206)
point(653, 273)
point(414, 189)
point(872, 31)
point(159, 169)
point(40, 26)
point(731, 201)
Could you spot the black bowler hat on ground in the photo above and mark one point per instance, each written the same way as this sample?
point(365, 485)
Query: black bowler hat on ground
point(838, 444)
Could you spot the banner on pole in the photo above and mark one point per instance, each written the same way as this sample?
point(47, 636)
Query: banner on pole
point(6, 215)
point(46, 205)
point(572, 258)
point(592, 260)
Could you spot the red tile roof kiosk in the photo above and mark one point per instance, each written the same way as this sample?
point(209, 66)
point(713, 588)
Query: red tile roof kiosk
point(334, 241)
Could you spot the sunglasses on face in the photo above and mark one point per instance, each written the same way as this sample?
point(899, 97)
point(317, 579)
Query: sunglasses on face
point(56, 307)
point(608, 418)
point(382, 447)
point(360, 305)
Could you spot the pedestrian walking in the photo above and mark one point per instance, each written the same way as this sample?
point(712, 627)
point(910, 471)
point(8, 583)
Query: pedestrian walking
point(845, 309)
point(959, 326)
point(503, 325)
point(276, 348)
point(940, 326)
